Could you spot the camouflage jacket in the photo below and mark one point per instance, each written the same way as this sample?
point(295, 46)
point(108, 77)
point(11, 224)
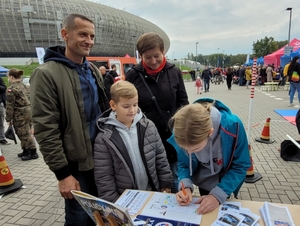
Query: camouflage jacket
point(18, 103)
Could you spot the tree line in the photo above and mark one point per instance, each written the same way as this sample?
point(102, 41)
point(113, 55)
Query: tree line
point(261, 47)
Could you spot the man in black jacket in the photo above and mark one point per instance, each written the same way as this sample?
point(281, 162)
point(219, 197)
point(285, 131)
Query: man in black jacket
point(206, 76)
point(2, 112)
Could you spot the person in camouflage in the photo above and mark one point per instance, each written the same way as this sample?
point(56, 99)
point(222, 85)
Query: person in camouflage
point(18, 112)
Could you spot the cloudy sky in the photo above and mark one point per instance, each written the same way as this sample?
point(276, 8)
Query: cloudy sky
point(230, 25)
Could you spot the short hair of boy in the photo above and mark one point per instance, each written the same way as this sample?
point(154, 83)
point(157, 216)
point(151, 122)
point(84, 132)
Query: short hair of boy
point(122, 89)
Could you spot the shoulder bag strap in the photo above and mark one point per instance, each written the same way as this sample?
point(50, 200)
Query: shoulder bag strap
point(153, 98)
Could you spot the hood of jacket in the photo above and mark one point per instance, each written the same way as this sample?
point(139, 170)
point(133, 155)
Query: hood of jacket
point(109, 117)
point(57, 54)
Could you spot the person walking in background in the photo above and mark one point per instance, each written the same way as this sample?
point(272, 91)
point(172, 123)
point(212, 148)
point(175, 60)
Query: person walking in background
point(285, 73)
point(161, 90)
point(67, 95)
point(263, 75)
point(108, 81)
point(248, 73)
point(212, 151)
point(294, 80)
point(198, 85)
point(18, 112)
point(269, 72)
point(2, 112)
point(128, 151)
point(229, 75)
point(242, 76)
point(206, 77)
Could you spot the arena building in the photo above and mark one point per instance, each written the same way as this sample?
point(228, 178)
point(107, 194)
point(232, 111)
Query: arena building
point(27, 24)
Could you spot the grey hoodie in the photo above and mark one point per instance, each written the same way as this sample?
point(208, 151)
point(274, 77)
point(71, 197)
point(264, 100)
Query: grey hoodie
point(130, 139)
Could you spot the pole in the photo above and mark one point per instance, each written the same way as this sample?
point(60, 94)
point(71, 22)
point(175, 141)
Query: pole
point(290, 26)
point(218, 57)
point(252, 176)
point(133, 36)
point(196, 55)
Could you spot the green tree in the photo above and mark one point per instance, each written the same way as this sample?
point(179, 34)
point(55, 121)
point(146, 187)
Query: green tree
point(281, 44)
point(264, 46)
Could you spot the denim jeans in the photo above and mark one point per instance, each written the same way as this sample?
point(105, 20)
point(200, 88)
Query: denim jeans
point(293, 87)
point(75, 214)
point(174, 169)
point(206, 84)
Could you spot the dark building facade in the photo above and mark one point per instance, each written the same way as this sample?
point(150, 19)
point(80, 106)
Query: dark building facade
point(27, 24)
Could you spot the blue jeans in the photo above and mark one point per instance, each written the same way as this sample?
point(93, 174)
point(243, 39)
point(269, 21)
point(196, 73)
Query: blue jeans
point(175, 185)
point(293, 87)
point(75, 214)
point(206, 84)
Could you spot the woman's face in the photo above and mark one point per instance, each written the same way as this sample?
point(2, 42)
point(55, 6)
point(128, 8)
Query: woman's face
point(153, 58)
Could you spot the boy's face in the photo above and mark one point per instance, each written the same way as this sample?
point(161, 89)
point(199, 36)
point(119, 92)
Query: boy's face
point(125, 109)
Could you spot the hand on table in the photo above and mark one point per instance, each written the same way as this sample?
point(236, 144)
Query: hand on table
point(166, 190)
point(207, 204)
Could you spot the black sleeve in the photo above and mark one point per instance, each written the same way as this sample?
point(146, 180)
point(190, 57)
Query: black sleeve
point(298, 121)
point(108, 81)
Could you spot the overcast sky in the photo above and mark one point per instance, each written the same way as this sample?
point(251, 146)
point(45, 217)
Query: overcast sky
point(230, 25)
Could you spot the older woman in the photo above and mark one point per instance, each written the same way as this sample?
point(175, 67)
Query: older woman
point(161, 90)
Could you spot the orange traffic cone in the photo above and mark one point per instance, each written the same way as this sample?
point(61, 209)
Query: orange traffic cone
point(265, 135)
point(7, 182)
point(252, 176)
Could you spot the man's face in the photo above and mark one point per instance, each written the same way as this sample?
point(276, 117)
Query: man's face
point(79, 40)
point(102, 70)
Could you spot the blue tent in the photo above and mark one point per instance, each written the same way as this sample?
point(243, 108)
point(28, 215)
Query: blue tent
point(3, 71)
point(260, 61)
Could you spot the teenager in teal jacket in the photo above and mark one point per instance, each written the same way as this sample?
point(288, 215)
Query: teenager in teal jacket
point(212, 151)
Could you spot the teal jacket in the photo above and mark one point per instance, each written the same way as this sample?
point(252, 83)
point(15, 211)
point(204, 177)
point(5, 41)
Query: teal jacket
point(236, 156)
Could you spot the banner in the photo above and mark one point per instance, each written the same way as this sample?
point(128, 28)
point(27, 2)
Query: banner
point(40, 52)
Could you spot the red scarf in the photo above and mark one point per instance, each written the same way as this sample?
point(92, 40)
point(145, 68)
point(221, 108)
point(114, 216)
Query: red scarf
point(152, 72)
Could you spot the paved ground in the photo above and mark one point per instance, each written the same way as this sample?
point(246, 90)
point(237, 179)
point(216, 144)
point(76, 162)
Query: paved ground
point(40, 204)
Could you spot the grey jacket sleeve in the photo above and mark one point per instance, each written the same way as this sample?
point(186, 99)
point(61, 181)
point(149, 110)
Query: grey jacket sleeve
point(103, 171)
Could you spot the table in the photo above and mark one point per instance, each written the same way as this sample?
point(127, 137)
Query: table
point(270, 86)
point(209, 218)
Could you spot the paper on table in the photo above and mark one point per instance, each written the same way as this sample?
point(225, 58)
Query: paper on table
point(133, 200)
point(164, 205)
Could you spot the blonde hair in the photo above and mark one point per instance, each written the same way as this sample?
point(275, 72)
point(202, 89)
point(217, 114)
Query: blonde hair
point(192, 124)
point(122, 89)
point(15, 73)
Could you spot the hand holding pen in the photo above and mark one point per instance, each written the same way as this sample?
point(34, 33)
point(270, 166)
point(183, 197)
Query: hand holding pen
point(184, 196)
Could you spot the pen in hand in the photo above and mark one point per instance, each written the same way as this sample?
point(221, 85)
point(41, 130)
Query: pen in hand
point(184, 192)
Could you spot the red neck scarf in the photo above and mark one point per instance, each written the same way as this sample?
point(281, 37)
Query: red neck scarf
point(152, 72)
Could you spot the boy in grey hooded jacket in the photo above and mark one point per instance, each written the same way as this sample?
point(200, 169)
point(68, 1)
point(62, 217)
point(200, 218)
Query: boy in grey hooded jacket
point(128, 151)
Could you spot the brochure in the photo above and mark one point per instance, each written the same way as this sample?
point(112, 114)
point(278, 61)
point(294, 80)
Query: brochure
point(103, 213)
point(276, 215)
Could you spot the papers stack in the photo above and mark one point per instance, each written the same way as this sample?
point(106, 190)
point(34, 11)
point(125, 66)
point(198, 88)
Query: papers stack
point(276, 215)
point(231, 213)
